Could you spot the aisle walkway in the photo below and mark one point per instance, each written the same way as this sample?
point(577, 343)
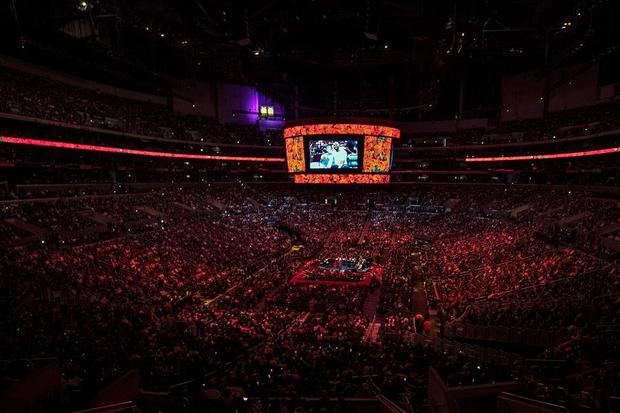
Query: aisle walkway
point(370, 310)
point(371, 303)
point(419, 299)
point(371, 335)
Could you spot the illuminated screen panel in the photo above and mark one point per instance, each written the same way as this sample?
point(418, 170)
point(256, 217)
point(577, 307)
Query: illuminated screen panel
point(565, 155)
point(342, 179)
point(295, 154)
point(341, 129)
point(333, 154)
point(377, 154)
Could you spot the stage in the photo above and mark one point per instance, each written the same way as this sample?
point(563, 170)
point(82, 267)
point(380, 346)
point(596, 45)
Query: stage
point(357, 272)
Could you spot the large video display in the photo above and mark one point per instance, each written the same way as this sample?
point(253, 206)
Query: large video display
point(333, 154)
point(340, 153)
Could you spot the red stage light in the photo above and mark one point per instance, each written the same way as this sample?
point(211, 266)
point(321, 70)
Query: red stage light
point(110, 149)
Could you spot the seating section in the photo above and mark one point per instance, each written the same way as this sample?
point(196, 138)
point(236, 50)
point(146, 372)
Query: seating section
point(47, 99)
point(182, 271)
point(193, 284)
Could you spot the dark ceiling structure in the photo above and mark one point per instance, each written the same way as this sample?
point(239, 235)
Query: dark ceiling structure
point(413, 57)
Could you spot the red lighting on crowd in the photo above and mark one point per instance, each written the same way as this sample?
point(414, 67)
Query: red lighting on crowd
point(545, 156)
point(110, 149)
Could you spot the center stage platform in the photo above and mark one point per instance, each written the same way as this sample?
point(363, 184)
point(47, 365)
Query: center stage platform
point(339, 271)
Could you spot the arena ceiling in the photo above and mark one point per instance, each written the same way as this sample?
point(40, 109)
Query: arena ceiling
point(369, 53)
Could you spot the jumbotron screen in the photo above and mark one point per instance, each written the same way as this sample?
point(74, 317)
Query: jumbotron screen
point(333, 154)
point(340, 153)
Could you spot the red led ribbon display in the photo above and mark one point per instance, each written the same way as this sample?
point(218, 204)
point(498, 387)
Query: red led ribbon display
point(544, 156)
point(110, 149)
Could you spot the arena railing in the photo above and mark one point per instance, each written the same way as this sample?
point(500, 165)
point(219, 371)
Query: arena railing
point(465, 399)
point(388, 405)
point(509, 294)
point(513, 403)
point(112, 408)
point(480, 353)
point(517, 336)
point(357, 404)
point(137, 137)
point(28, 363)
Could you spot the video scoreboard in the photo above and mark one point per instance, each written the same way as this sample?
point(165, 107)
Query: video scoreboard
point(322, 151)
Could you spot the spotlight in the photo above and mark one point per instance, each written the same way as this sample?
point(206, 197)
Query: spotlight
point(83, 5)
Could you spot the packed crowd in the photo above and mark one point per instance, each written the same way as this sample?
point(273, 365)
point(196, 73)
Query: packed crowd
point(573, 123)
point(193, 284)
point(43, 98)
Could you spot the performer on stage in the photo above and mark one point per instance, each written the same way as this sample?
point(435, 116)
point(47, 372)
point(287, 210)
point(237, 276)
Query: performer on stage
point(339, 156)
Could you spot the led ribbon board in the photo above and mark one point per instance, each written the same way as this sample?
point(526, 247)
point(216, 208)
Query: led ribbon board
point(564, 155)
point(111, 149)
point(342, 179)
